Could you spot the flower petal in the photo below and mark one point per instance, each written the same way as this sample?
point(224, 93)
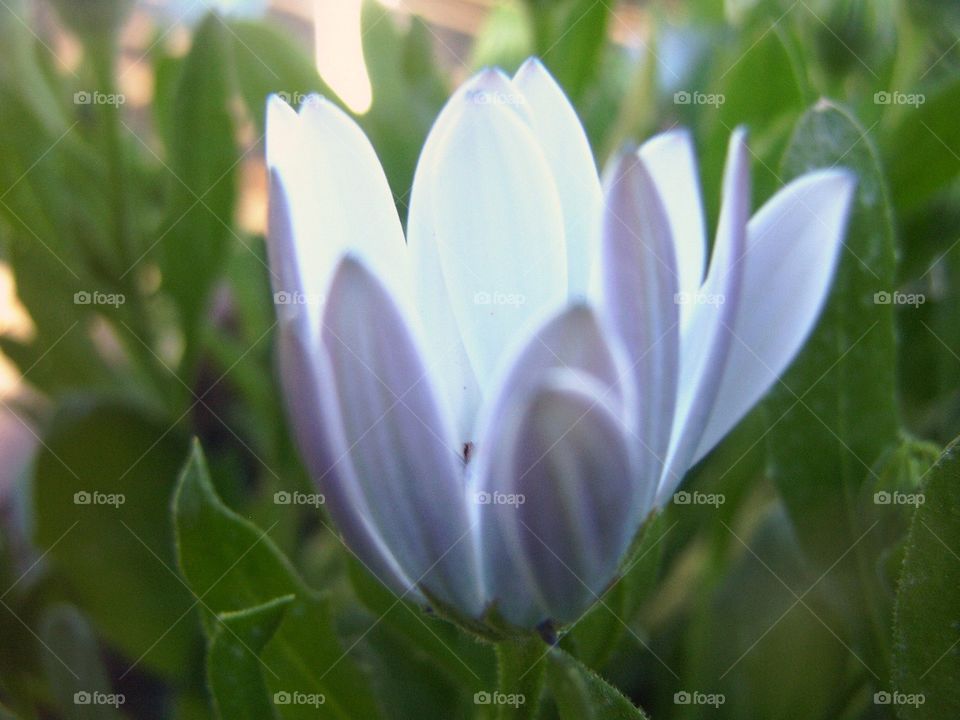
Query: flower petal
point(793, 243)
point(493, 213)
point(567, 150)
point(706, 338)
point(397, 440)
point(303, 373)
point(572, 340)
point(640, 288)
point(305, 378)
point(671, 160)
point(570, 465)
point(337, 192)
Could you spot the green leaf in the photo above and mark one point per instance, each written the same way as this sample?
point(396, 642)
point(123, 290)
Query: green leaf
point(102, 489)
point(203, 159)
point(233, 565)
point(521, 664)
point(923, 149)
point(267, 62)
point(570, 37)
point(403, 75)
point(581, 694)
point(234, 667)
point(505, 40)
point(839, 394)
point(757, 83)
point(753, 642)
point(597, 634)
point(74, 669)
point(927, 618)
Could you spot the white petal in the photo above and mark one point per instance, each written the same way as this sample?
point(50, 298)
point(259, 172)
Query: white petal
point(565, 145)
point(337, 192)
point(671, 159)
point(570, 464)
point(398, 444)
point(571, 340)
point(793, 243)
point(494, 214)
point(640, 288)
point(305, 378)
point(286, 277)
point(706, 339)
point(445, 352)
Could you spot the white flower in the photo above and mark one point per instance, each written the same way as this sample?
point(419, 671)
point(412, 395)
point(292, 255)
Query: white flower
point(492, 407)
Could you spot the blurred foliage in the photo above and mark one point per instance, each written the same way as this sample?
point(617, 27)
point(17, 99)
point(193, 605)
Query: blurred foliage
point(821, 587)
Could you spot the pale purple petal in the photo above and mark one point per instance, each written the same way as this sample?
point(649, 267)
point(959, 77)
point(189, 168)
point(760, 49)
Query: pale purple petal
point(398, 441)
point(706, 338)
point(793, 243)
point(639, 301)
point(565, 145)
point(570, 464)
point(572, 340)
point(671, 160)
point(486, 199)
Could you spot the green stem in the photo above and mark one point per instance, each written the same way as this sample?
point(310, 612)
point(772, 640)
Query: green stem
point(520, 672)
